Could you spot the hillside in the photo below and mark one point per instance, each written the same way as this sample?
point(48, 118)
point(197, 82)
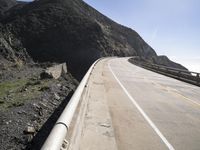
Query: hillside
point(5, 5)
point(72, 31)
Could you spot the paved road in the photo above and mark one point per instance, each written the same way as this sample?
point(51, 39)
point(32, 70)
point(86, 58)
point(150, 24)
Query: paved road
point(125, 107)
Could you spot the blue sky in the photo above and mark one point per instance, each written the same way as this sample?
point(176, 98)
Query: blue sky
point(171, 27)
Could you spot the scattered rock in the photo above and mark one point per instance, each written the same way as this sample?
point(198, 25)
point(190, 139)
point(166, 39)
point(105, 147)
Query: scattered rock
point(53, 103)
point(23, 89)
point(8, 122)
point(59, 85)
point(57, 97)
point(29, 130)
point(64, 88)
point(21, 112)
point(43, 105)
point(14, 132)
point(36, 106)
point(10, 91)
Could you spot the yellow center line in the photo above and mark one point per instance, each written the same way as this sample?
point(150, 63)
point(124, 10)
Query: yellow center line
point(173, 91)
point(187, 99)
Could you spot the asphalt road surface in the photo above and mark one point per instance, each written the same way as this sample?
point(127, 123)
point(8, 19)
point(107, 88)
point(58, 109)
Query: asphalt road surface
point(125, 107)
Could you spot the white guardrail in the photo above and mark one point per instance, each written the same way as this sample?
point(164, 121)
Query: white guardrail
point(58, 134)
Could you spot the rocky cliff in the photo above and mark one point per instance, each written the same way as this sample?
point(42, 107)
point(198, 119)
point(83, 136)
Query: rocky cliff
point(71, 31)
point(5, 5)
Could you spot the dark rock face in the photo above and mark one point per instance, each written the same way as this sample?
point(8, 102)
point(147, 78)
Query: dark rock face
point(11, 48)
point(5, 5)
point(73, 32)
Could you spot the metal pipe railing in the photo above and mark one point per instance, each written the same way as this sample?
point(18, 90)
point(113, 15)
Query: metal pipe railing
point(184, 75)
point(56, 137)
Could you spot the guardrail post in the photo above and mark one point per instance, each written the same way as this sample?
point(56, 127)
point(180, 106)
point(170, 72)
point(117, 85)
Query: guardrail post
point(198, 78)
point(151, 65)
point(167, 70)
point(179, 74)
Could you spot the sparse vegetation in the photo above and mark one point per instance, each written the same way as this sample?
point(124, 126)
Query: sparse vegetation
point(17, 92)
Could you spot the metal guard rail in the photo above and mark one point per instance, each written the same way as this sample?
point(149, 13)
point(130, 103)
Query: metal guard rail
point(56, 139)
point(183, 75)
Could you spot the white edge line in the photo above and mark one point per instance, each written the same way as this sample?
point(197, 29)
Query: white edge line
point(170, 147)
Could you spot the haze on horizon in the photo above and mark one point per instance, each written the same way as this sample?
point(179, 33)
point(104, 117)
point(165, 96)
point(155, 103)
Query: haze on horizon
point(170, 27)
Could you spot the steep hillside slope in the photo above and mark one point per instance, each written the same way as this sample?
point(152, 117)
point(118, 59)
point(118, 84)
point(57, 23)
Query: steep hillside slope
point(5, 5)
point(72, 31)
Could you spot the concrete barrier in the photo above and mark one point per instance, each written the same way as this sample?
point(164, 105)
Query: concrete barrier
point(55, 140)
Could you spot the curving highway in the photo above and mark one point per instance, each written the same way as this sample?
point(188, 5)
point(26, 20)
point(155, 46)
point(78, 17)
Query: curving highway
point(125, 107)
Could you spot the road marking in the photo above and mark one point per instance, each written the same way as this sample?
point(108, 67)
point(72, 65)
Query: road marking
point(189, 100)
point(175, 92)
point(169, 146)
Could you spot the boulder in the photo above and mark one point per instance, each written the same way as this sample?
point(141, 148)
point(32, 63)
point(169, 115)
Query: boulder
point(29, 130)
point(54, 72)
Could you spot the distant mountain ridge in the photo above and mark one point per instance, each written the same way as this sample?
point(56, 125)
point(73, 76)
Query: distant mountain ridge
point(72, 31)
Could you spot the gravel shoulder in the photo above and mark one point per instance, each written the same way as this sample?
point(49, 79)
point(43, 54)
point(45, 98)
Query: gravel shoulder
point(29, 105)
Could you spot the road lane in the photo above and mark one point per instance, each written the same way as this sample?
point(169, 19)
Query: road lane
point(111, 121)
point(154, 127)
point(171, 104)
